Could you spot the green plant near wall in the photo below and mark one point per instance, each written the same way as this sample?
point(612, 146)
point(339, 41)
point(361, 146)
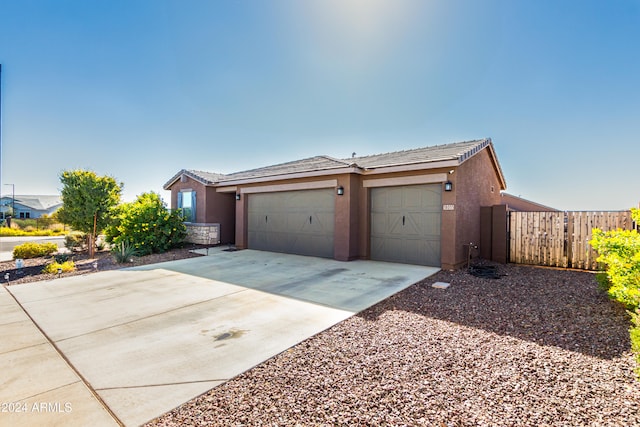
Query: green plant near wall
point(147, 225)
point(619, 252)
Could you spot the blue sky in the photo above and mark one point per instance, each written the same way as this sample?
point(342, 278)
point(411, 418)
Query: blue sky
point(141, 89)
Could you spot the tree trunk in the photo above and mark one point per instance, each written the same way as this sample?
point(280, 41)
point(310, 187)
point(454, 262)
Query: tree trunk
point(92, 237)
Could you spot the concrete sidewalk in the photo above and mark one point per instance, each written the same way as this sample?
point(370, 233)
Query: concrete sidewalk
point(150, 338)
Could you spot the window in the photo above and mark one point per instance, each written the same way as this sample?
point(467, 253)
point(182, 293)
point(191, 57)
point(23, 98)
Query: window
point(187, 205)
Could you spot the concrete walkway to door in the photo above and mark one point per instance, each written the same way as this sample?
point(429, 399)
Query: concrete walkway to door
point(144, 340)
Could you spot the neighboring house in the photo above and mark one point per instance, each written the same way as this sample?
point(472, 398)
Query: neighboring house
point(518, 204)
point(30, 206)
point(418, 206)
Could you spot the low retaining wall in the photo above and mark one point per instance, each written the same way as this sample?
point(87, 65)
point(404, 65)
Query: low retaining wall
point(203, 234)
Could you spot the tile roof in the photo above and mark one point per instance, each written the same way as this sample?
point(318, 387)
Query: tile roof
point(459, 151)
point(317, 163)
point(456, 151)
point(207, 178)
point(41, 203)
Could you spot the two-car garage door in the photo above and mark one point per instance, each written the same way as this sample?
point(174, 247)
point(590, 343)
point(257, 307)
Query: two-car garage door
point(295, 222)
point(405, 224)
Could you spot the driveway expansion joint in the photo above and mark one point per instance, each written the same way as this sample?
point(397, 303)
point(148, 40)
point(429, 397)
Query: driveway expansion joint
point(129, 387)
point(67, 361)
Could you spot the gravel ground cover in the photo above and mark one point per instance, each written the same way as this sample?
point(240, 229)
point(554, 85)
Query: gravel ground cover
point(537, 347)
point(32, 270)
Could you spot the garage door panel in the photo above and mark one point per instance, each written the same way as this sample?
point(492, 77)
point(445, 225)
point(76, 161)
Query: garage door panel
point(299, 222)
point(405, 224)
point(427, 223)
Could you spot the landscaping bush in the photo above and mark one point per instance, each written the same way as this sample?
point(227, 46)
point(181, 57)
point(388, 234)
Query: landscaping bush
point(60, 258)
point(34, 250)
point(75, 241)
point(147, 225)
point(43, 226)
point(124, 252)
point(12, 232)
point(53, 267)
point(619, 252)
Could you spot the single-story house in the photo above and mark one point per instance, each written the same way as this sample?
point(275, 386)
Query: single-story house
point(417, 206)
point(30, 206)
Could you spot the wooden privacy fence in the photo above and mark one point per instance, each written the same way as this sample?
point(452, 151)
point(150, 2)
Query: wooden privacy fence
point(560, 239)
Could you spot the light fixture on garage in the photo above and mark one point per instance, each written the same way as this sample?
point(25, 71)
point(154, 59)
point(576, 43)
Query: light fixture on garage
point(448, 185)
point(340, 191)
point(237, 196)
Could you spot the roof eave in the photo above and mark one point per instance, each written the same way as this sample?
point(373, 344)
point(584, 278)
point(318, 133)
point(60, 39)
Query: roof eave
point(177, 176)
point(412, 166)
point(496, 165)
point(294, 175)
point(486, 144)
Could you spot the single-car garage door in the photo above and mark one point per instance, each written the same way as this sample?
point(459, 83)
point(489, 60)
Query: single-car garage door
point(405, 224)
point(294, 222)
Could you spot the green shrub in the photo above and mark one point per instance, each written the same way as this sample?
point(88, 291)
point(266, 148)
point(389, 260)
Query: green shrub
point(53, 267)
point(23, 223)
point(60, 258)
point(11, 232)
point(619, 251)
point(635, 338)
point(123, 252)
point(34, 250)
point(42, 223)
point(75, 241)
point(147, 225)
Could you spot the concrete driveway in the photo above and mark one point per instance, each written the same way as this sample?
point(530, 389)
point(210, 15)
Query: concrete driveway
point(140, 341)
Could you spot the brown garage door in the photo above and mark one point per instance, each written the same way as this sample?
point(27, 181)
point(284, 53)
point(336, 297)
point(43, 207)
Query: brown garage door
point(295, 222)
point(405, 224)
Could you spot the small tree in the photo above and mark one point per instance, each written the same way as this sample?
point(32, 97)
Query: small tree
point(88, 202)
point(147, 225)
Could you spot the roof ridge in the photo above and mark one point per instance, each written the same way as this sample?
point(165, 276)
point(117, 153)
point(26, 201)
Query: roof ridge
point(420, 148)
point(335, 159)
point(195, 171)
